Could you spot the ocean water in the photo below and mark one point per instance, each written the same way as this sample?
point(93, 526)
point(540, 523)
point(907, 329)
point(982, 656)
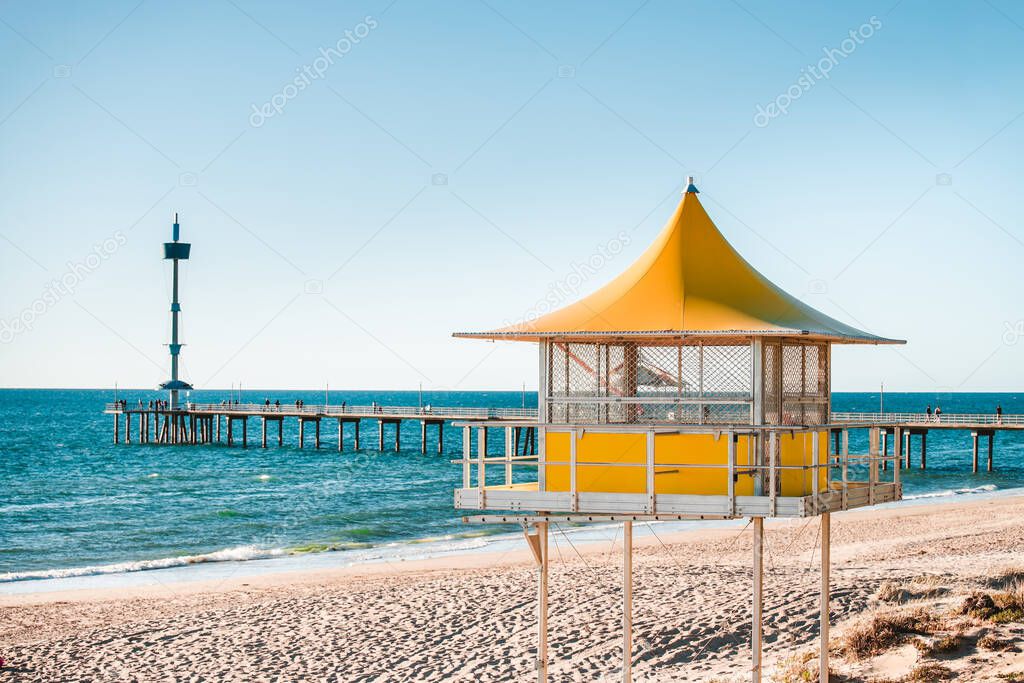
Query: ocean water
point(73, 505)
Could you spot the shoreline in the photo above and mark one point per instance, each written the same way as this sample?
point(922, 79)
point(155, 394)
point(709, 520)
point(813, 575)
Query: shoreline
point(262, 574)
point(207, 568)
point(473, 616)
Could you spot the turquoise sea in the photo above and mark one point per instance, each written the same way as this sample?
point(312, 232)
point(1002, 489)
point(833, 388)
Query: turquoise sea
point(73, 505)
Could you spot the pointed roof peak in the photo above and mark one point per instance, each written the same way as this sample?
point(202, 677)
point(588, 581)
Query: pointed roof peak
point(689, 282)
point(690, 187)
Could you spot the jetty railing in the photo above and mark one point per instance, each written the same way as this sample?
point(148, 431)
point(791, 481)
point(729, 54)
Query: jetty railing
point(925, 418)
point(427, 411)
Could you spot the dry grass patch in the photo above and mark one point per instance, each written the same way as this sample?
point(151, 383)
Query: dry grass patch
point(799, 668)
point(949, 643)
point(993, 644)
point(923, 587)
point(929, 671)
point(880, 631)
point(1006, 578)
point(1004, 607)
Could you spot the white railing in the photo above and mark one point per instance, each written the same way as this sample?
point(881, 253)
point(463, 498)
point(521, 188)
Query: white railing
point(339, 410)
point(845, 470)
point(925, 418)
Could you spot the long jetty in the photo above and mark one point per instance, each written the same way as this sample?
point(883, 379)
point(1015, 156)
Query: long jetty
point(903, 426)
point(207, 423)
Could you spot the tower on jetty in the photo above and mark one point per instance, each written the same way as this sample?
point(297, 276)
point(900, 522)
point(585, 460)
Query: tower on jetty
point(689, 387)
point(175, 251)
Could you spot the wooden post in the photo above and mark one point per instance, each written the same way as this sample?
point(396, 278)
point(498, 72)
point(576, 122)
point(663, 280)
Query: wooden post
point(127, 427)
point(518, 437)
point(483, 439)
point(991, 437)
point(509, 452)
point(263, 442)
point(316, 434)
point(757, 632)
point(974, 452)
point(355, 443)
point(230, 429)
point(380, 434)
point(245, 432)
point(885, 448)
point(302, 433)
point(924, 448)
point(423, 437)
point(218, 428)
point(835, 441)
point(193, 422)
point(542, 604)
point(826, 543)
point(873, 462)
point(897, 447)
point(341, 435)
point(440, 437)
point(280, 431)
point(627, 602)
point(398, 435)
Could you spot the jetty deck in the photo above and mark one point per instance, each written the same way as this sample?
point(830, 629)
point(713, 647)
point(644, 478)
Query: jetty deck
point(205, 423)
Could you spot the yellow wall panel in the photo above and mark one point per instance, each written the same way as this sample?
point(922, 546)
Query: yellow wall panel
point(670, 451)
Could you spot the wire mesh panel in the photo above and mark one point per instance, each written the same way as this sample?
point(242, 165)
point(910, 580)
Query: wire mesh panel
point(620, 369)
point(805, 384)
point(726, 371)
point(558, 383)
point(690, 369)
point(771, 378)
point(582, 370)
point(669, 381)
point(658, 370)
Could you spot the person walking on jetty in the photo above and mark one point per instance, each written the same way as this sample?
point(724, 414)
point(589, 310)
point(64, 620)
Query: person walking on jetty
point(928, 412)
point(999, 414)
point(938, 414)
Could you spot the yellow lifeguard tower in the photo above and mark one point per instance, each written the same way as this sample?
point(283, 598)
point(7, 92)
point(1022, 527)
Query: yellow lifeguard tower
point(689, 387)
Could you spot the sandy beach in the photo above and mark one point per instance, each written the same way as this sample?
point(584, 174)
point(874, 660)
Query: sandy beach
point(473, 618)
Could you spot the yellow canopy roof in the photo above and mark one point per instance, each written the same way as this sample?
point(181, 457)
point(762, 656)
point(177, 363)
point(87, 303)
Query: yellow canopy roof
point(689, 282)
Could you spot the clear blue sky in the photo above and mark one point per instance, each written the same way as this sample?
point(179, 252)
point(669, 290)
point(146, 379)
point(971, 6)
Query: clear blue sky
point(887, 195)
